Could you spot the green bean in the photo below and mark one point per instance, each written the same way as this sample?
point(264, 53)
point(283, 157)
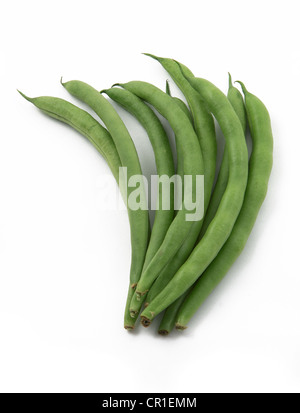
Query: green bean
point(84, 123)
point(222, 224)
point(137, 302)
point(139, 219)
point(259, 173)
point(236, 99)
point(184, 108)
point(204, 126)
point(163, 159)
point(169, 318)
point(192, 166)
point(202, 119)
point(206, 134)
point(172, 267)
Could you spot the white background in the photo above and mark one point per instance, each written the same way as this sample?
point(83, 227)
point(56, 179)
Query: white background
point(64, 263)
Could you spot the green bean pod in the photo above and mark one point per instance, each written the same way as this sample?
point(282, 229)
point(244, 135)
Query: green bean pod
point(259, 172)
point(163, 159)
point(236, 99)
point(205, 130)
point(193, 165)
point(223, 222)
point(170, 316)
point(202, 120)
point(172, 266)
point(204, 127)
point(84, 123)
point(185, 109)
point(139, 219)
point(164, 165)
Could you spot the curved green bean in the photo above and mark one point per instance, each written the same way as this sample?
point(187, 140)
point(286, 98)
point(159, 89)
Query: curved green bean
point(172, 265)
point(204, 127)
point(84, 123)
point(259, 173)
point(163, 159)
point(202, 120)
point(192, 162)
point(139, 219)
point(235, 98)
point(223, 222)
point(137, 301)
point(205, 130)
point(185, 109)
point(169, 318)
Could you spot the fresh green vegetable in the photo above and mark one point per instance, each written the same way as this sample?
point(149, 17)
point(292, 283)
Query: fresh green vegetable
point(223, 222)
point(259, 172)
point(193, 165)
point(176, 266)
point(139, 219)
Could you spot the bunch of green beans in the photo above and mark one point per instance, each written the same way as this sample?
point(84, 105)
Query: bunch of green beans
point(178, 263)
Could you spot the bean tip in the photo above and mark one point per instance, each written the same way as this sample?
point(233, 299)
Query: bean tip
point(24, 96)
point(163, 332)
point(145, 321)
point(152, 56)
point(180, 327)
point(149, 54)
point(168, 90)
point(229, 80)
point(117, 84)
point(128, 327)
point(242, 86)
